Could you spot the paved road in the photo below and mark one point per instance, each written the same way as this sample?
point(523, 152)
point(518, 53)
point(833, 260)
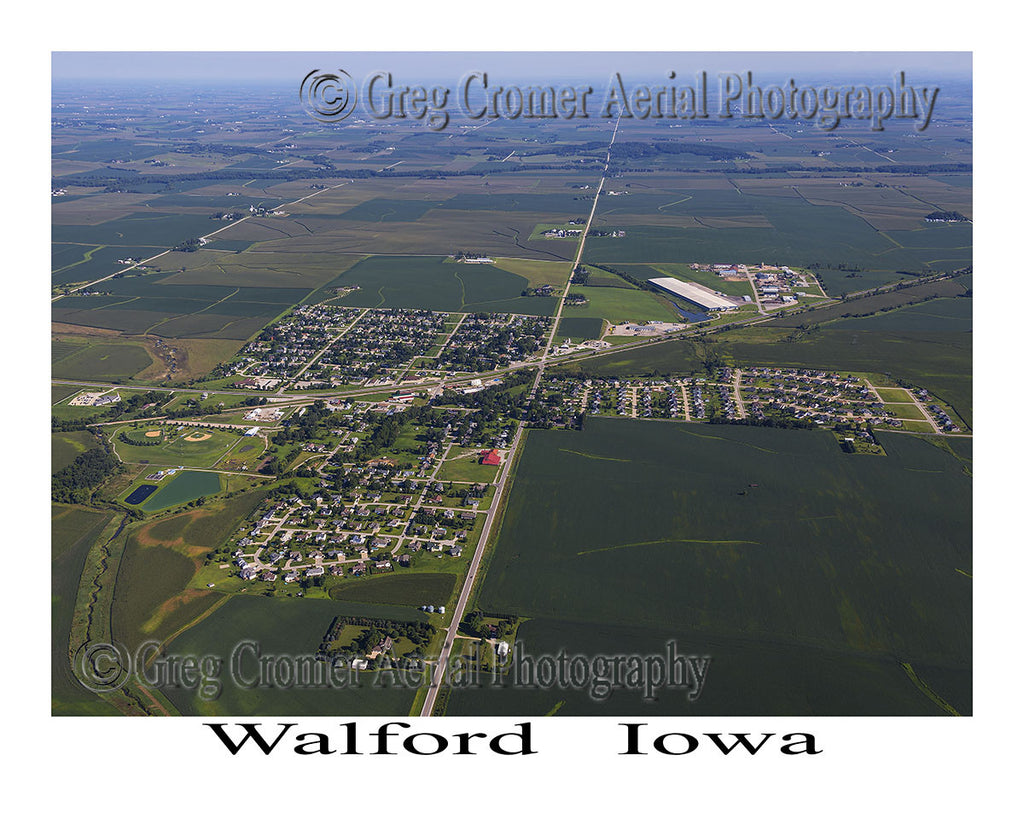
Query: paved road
point(440, 668)
point(165, 252)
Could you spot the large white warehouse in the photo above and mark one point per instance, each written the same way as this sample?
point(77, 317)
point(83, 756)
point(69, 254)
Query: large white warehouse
point(701, 296)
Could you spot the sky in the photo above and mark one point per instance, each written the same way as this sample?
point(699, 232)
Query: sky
point(239, 67)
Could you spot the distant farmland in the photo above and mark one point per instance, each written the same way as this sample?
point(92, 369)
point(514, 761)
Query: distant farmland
point(725, 536)
point(800, 234)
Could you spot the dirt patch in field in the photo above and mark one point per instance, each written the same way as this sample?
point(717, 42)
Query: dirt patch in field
point(58, 329)
point(145, 537)
point(153, 433)
point(170, 605)
point(198, 436)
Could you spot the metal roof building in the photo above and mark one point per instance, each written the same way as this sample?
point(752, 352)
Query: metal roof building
point(701, 296)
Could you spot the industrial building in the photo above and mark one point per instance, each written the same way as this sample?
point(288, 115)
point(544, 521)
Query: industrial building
point(694, 293)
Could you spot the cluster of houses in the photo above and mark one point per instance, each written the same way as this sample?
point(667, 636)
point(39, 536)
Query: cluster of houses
point(760, 393)
point(382, 341)
point(811, 395)
point(326, 346)
point(283, 349)
point(485, 341)
point(326, 536)
point(940, 416)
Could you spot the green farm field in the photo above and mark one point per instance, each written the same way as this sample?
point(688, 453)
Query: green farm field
point(733, 535)
point(801, 234)
point(436, 283)
point(153, 595)
point(412, 589)
point(746, 677)
point(944, 315)
point(290, 627)
point(580, 327)
point(73, 530)
point(935, 316)
point(58, 392)
point(104, 361)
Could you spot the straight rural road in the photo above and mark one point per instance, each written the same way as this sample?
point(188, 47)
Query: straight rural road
point(440, 669)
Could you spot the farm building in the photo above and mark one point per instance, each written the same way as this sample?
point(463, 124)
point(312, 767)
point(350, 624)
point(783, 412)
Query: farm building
point(490, 457)
point(694, 293)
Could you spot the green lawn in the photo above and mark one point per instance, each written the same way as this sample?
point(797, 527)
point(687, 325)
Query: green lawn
point(463, 464)
point(176, 450)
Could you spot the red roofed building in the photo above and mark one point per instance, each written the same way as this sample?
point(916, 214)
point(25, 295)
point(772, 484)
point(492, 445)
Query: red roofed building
point(490, 457)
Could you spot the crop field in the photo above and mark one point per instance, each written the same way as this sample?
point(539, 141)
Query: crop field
point(537, 272)
point(388, 210)
point(580, 328)
point(257, 269)
point(789, 679)
point(148, 599)
point(889, 300)
point(414, 589)
point(438, 232)
point(435, 283)
point(58, 392)
point(935, 316)
point(140, 229)
point(100, 360)
point(72, 530)
point(75, 263)
point(289, 627)
point(150, 304)
point(182, 488)
point(801, 234)
point(708, 533)
point(152, 596)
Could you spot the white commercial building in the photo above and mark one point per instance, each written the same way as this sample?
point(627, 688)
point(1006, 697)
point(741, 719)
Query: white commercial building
point(701, 296)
